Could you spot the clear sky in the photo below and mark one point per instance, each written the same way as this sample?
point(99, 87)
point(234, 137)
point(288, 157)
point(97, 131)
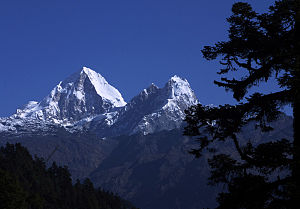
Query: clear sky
point(132, 43)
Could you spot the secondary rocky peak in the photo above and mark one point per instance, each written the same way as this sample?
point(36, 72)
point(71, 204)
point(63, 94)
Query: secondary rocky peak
point(150, 90)
point(152, 87)
point(178, 88)
point(175, 80)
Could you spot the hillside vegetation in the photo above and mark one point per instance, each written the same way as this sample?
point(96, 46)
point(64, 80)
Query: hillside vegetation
point(26, 183)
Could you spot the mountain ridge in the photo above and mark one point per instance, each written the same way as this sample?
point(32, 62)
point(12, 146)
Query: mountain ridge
point(85, 101)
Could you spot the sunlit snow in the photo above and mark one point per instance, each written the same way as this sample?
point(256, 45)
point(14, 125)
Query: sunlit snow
point(104, 89)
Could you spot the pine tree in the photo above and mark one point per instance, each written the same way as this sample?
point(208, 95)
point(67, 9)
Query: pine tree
point(260, 46)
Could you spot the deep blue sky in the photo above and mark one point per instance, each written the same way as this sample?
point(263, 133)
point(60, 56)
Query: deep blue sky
point(131, 43)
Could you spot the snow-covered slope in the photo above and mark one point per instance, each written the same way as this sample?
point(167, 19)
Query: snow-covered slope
point(104, 89)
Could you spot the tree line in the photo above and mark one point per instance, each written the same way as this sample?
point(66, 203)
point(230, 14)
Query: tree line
point(27, 183)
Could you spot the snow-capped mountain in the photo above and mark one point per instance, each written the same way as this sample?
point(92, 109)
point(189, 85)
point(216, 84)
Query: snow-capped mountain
point(82, 95)
point(85, 101)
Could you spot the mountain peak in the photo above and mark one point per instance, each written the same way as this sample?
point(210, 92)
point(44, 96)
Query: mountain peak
point(103, 88)
point(86, 69)
point(153, 85)
point(176, 78)
point(177, 87)
point(84, 94)
point(152, 88)
point(91, 73)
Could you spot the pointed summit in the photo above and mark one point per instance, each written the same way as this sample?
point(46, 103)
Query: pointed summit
point(103, 88)
point(84, 94)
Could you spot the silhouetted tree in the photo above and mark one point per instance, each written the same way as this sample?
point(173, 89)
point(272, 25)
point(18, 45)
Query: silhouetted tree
point(260, 47)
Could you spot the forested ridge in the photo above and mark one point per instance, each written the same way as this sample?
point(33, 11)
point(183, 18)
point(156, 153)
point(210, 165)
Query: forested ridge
point(27, 183)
